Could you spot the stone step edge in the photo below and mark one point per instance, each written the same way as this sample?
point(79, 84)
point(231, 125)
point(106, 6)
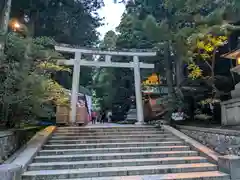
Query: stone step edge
point(163, 142)
point(118, 161)
point(110, 132)
point(80, 140)
point(111, 129)
point(106, 136)
point(171, 176)
point(107, 127)
point(129, 168)
point(92, 149)
point(113, 154)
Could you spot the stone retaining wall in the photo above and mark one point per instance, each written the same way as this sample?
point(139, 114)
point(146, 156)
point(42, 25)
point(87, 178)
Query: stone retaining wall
point(220, 140)
point(12, 140)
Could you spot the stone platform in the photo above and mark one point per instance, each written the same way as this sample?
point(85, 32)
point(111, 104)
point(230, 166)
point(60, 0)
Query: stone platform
point(231, 112)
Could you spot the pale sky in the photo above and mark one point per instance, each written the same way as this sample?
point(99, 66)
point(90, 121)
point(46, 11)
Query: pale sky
point(112, 13)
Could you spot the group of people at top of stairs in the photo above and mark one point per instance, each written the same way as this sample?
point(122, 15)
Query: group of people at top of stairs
point(101, 117)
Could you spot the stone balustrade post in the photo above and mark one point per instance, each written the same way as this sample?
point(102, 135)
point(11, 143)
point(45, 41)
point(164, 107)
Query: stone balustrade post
point(10, 172)
point(230, 164)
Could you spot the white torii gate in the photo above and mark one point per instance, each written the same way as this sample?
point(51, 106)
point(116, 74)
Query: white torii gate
point(77, 62)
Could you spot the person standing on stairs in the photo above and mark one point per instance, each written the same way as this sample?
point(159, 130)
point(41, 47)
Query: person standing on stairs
point(103, 116)
point(94, 117)
point(109, 116)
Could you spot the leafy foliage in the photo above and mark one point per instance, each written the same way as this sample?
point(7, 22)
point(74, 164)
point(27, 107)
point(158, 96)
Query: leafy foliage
point(26, 86)
point(194, 71)
point(206, 49)
point(183, 32)
point(67, 21)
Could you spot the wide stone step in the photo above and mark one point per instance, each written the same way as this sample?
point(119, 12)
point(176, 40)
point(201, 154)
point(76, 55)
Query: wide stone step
point(112, 150)
point(106, 133)
point(87, 141)
point(55, 137)
point(132, 114)
point(108, 130)
point(109, 156)
point(108, 127)
point(111, 145)
point(132, 117)
point(119, 171)
point(211, 175)
point(115, 163)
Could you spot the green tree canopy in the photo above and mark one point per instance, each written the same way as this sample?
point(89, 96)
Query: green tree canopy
point(67, 21)
point(26, 86)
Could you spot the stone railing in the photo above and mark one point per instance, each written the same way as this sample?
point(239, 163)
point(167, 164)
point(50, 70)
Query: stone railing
point(13, 168)
point(226, 163)
point(12, 140)
point(222, 141)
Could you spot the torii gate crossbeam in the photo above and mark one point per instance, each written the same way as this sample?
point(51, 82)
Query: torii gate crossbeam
point(77, 62)
point(104, 64)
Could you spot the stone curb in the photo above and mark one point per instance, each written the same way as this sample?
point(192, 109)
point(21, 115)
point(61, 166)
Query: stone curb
point(230, 164)
point(211, 130)
point(32, 147)
point(205, 151)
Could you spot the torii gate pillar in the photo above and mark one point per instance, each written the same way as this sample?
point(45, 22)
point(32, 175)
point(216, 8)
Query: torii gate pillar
point(138, 90)
point(75, 87)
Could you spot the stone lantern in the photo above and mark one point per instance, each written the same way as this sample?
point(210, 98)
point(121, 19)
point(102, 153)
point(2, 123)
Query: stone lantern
point(236, 92)
point(231, 108)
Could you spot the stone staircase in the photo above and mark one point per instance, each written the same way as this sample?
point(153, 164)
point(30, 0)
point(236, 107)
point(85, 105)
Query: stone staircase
point(119, 153)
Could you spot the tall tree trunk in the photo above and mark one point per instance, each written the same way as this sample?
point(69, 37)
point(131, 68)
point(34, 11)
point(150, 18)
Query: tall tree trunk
point(169, 72)
point(34, 15)
point(213, 72)
point(5, 15)
point(179, 70)
point(169, 76)
point(4, 19)
point(213, 64)
point(231, 61)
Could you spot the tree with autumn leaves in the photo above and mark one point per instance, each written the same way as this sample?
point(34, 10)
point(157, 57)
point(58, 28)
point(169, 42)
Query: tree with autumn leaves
point(184, 32)
point(204, 50)
point(151, 80)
